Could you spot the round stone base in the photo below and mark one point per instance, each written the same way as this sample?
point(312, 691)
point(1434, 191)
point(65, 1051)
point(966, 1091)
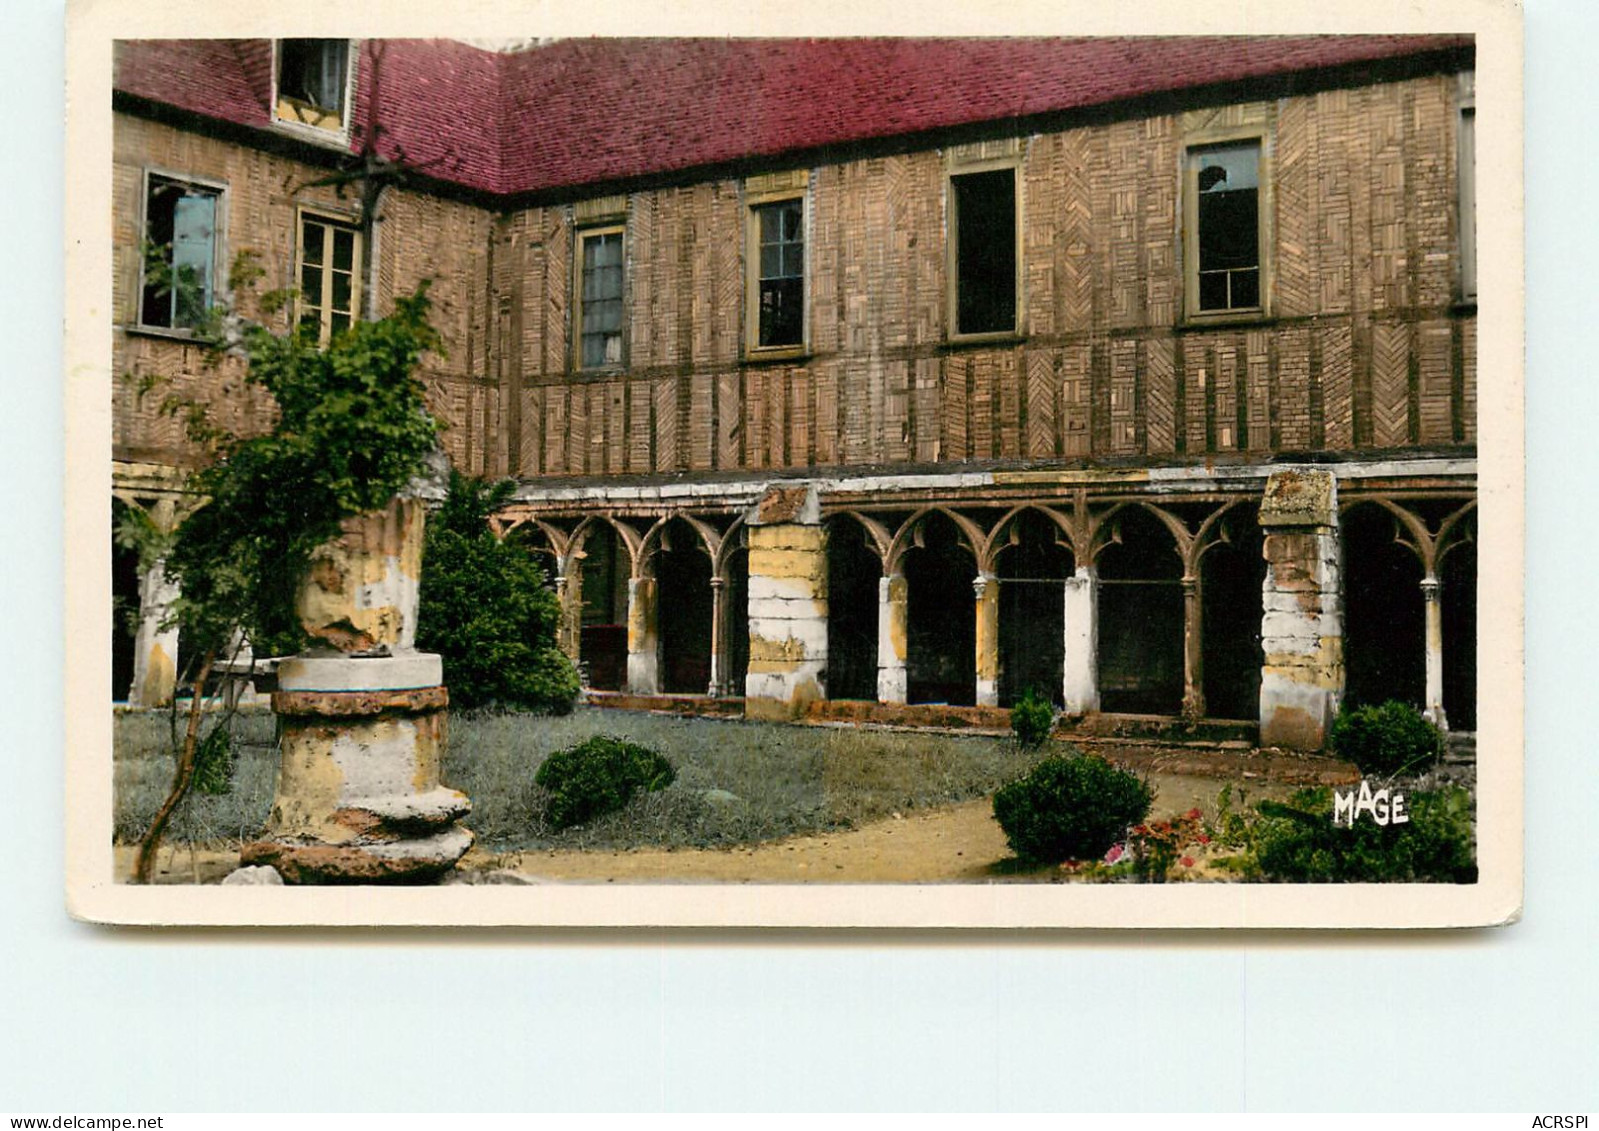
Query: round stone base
point(422, 860)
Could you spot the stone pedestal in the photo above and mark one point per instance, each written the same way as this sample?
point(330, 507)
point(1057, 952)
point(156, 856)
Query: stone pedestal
point(359, 798)
point(363, 721)
point(787, 605)
point(1302, 678)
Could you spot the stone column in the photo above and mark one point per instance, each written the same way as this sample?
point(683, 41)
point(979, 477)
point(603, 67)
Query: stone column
point(787, 604)
point(1193, 650)
point(1081, 668)
point(363, 719)
point(1302, 678)
point(718, 634)
point(155, 648)
point(569, 629)
point(985, 587)
point(1431, 597)
point(643, 637)
point(893, 623)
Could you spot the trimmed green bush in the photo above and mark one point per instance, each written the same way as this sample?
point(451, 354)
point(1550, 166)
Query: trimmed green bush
point(1297, 842)
point(597, 777)
point(486, 609)
point(1032, 719)
point(1391, 739)
point(1070, 809)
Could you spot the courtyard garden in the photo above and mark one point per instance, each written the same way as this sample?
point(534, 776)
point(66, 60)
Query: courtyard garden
point(738, 801)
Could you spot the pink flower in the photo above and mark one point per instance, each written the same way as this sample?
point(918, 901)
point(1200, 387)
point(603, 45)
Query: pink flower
point(1116, 853)
point(1192, 814)
point(1203, 839)
point(1187, 861)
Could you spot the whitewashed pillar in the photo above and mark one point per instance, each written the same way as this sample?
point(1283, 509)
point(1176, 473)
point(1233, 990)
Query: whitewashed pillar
point(155, 645)
point(1080, 677)
point(985, 587)
point(1432, 603)
point(643, 637)
point(893, 623)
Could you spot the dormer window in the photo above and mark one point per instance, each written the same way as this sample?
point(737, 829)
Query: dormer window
point(313, 80)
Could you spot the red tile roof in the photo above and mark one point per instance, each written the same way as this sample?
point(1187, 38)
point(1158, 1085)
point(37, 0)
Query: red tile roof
point(587, 111)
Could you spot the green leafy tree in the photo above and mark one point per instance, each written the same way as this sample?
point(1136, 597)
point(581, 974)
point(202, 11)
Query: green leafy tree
point(486, 609)
point(352, 429)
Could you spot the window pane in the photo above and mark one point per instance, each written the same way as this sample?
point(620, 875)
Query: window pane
point(311, 285)
point(782, 312)
point(771, 261)
point(791, 221)
point(341, 291)
point(341, 322)
point(311, 241)
point(344, 249)
point(985, 254)
point(793, 260)
point(1213, 290)
point(159, 210)
point(1246, 288)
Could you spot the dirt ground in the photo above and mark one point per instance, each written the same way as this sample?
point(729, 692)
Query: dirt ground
point(958, 844)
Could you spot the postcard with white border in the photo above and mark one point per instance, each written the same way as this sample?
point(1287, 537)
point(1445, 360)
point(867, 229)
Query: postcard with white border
point(1018, 466)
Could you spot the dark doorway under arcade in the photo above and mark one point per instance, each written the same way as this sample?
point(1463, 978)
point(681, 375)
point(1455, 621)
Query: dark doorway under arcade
point(1458, 573)
point(603, 644)
point(735, 622)
point(1032, 572)
point(1140, 618)
point(1232, 576)
point(124, 604)
point(1384, 619)
point(941, 615)
point(684, 611)
point(853, 575)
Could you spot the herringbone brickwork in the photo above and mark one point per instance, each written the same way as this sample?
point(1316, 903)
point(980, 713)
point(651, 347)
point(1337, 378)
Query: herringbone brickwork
point(1362, 346)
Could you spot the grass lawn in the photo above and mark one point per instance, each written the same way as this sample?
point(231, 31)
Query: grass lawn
point(737, 782)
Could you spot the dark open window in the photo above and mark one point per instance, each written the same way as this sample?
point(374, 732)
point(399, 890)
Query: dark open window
point(599, 306)
point(1227, 240)
point(180, 252)
point(985, 251)
point(780, 289)
point(312, 76)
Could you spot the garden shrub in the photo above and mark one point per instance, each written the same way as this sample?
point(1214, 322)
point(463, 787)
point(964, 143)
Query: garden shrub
point(1391, 739)
point(485, 608)
point(1032, 718)
point(1297, 842)
point(1070, 809)
point(599, 776)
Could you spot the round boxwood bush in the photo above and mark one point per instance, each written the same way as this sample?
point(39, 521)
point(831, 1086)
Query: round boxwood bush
point(1298, 843)
point(1032, 718)
point(598, 776)
point(1391, 739)
point(1070, 809)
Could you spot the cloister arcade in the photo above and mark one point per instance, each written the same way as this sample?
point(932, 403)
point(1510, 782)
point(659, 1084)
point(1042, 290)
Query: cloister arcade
point(1116, 600)
point(1122, 604)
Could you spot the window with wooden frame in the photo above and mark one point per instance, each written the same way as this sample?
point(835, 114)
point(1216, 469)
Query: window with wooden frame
point(984, 259)
point(312, 81)
point(597, 297)
point(1467, 176)
point(1224, 229)
point(776, 299)
point(328, 267)
point(182, 247)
